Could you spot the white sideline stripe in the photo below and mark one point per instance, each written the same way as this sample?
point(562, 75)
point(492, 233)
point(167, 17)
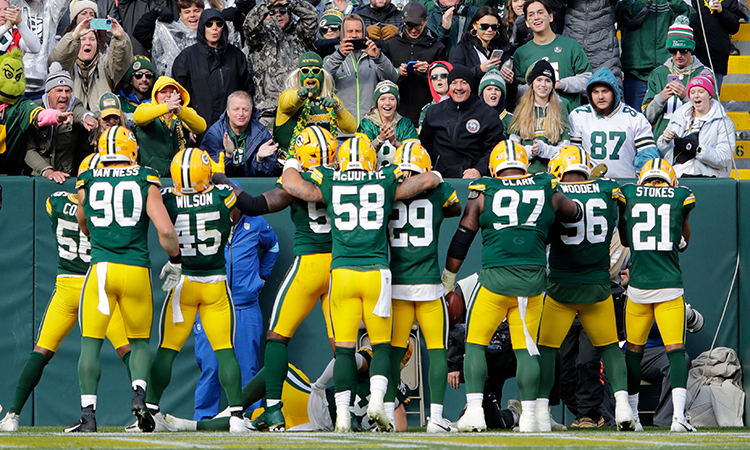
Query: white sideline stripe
point(152, 442)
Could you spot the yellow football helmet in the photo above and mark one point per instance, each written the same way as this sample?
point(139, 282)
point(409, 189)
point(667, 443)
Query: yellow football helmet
point(412, 156)
point(315, 146)
point(90, 162)
point(191, 171)
point(658, 168)
point(570, 159)
point(357, 153)
point(508, 155)
point(118, 144)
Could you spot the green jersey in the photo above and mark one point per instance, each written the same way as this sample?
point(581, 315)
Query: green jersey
point(115, 208)
point(653, 217)
point(15, 119)
point(203, 226)
point(564, 54)
point(312, 225)
point(358, 203)
point(73, 247)
point(579, 252)
point(414, 233)
point(515, 219)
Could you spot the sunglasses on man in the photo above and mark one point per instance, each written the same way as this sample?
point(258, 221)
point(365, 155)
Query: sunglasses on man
point(307, 70)
point(442, 76)
point(278, 11)
point(327, 28)
point(681, 51)
point(148, 75)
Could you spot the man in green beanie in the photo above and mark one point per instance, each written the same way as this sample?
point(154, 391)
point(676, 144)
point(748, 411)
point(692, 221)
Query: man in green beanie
point(667, 84)
point(138, 81)
point(309, 100)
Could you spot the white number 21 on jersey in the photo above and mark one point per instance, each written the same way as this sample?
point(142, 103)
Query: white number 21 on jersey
point(641, 242)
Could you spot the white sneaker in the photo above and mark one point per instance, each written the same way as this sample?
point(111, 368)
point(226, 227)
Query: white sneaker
point(240, 425)
point(624, 416)
point(343, 420)
point(527, 422)
point(181, 424)
point(162, 425)
point(9, 422)
point(376, 412)
point(224, 413)
point(543, 422)
point(133, 428)
point(440, 426)
point(681, 425)
point(472, 420)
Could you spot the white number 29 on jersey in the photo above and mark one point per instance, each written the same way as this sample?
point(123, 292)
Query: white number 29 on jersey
point(411, 215)
point(586, 227)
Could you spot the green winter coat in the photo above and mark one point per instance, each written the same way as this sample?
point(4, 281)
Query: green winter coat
point(644, 25)
point(370, 126)
point(657, 110)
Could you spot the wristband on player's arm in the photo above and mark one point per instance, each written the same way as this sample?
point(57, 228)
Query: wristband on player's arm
point(251, 206)
point(460, 243)
point(579, 213)
point(177, 259)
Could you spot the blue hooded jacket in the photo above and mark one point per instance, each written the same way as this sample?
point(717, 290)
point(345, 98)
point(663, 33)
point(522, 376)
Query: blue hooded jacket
point(243, 159)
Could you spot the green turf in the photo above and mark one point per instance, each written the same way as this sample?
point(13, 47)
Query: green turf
point(114, 438)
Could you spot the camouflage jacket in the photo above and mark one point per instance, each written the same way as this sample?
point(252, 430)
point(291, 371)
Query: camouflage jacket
point(275, 52)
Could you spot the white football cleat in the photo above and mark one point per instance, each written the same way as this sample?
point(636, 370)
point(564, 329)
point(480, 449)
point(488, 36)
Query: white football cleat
point(543, 422)
point(527, 422)
point(376, 412)
point(681, 425)
point(343, 419)
point(440, 426)
point(133, 428)
point(181, 424)
point(240, 425)
point(9, 422)
point(624, 417)
point(472, 420)
point(224, 413)
point(162, 425)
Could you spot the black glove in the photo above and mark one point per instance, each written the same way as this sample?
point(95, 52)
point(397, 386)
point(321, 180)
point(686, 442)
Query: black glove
point(685, 148)
point(165, 14)
point(229, 14)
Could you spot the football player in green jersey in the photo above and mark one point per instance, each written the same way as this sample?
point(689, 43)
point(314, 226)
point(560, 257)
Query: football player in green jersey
point(654, 224)
point(413, 231)
point(62, 311)
point(515, 211)
point(307, 278)
point(115, 205)
point(578, 281)
point(359, 198)
point(201, 214)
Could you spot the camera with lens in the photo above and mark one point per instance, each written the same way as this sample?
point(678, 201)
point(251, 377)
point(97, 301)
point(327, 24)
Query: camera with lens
point(693, 319)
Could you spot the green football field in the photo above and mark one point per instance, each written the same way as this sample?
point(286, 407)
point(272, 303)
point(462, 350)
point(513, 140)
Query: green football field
point(114, 438)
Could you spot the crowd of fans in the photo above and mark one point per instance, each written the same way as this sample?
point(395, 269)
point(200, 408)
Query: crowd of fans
point(246, 77)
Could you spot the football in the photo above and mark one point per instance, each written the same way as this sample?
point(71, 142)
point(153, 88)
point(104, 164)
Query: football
point(455, 308)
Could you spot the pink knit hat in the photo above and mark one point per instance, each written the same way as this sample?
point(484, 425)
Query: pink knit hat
point(704, 82)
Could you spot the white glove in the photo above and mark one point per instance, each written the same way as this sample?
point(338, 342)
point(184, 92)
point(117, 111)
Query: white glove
point(292, 163)
point(439, 175)
point(320, 392)
point(172, 273)
point(449, 280)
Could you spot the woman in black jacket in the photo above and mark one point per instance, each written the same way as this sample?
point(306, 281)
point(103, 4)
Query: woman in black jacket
point(485, 36)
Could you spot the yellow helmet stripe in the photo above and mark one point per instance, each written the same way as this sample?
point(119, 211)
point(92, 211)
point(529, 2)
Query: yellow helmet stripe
point(185, 168)
point(322, 144)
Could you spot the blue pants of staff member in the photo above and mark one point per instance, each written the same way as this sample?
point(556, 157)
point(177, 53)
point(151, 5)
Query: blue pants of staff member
point(247, 338)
